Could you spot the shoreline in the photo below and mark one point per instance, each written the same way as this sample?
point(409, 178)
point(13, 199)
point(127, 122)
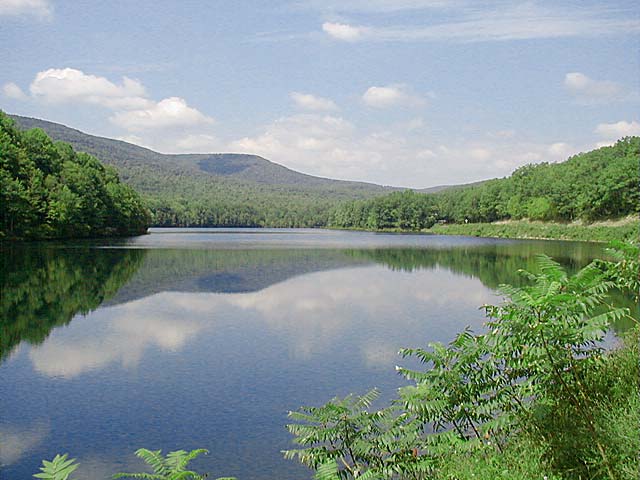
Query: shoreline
point(625, 229)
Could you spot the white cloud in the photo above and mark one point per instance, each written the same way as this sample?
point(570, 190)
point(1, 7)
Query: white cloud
point(589, 91)
point(500, 21)
point(167, 113)
point(343, 31)
point(312, 143)
point(379, 354)
point(561, 150)
point(41, 9)
point(198, 143)
point(308, 101)
point(390, 96)
point(617, 130)
point(414, 124)
point(132, 139)
point(480, 153)
point(167, 125)
point(11, 90)
point(68, 85)
point(330, 146)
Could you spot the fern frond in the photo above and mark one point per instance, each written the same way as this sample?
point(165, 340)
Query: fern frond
point(58, 469)
point(154, 459)
point(327, 471)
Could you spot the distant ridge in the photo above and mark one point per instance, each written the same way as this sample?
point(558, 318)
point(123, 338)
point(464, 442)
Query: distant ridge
point(218, 189)
point(251, 168)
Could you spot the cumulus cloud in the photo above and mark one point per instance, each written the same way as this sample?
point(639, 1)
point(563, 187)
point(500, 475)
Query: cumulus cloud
point(198, 143)
point(169, 125)
point(587, 90)
point(307, 101)
point(390, 96)
point(480, 153)
point(331, 146)
point(41, 9)
point(343, 31)
point(312, 143)
point(68, 85)
point(614, 131)
point(11, 90)
point(133, 109)
point(561, 149)
point(170, 112)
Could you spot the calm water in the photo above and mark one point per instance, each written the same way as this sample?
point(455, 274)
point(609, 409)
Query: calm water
point(206, 338)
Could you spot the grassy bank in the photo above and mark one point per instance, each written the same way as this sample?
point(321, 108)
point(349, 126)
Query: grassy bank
point(623, 230)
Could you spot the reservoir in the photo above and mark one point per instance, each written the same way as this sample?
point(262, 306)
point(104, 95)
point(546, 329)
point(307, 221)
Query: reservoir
point(207, 338)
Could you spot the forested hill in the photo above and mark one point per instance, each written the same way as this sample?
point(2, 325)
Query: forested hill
point(47, 190)
point(230, 166)
point(216, 189)
point(597, 185)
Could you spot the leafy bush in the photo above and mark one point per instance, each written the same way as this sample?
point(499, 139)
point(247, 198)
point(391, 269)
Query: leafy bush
point(57, 469)
point(538, 381)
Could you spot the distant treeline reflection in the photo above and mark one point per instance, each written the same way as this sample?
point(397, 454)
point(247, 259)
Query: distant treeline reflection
point(43, 288)
point(496, 265)
point(493, 265)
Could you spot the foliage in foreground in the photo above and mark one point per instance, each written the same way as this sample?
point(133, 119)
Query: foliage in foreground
point(173, 466)
point(537, 395)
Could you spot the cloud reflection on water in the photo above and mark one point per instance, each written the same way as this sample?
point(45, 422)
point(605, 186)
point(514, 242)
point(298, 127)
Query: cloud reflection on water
point(309, 312)
point(16, 441)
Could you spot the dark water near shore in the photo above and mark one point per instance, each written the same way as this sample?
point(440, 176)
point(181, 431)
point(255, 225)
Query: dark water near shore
point(206, 338)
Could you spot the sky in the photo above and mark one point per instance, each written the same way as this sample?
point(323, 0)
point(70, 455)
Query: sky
point(412, 93)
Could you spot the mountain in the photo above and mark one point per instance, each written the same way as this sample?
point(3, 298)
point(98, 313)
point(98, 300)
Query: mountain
point(440, 188)
point(216, 189)
point(228, 166)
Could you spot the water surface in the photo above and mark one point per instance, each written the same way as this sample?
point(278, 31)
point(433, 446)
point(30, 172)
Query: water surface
point(206, 338)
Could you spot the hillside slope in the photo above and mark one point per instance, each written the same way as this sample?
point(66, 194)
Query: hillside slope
point(597, 185)
point(48, 190)
point(224, 166)
point(216, 189)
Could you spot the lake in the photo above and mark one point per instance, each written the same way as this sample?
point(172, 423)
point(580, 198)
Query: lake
point(206, 338)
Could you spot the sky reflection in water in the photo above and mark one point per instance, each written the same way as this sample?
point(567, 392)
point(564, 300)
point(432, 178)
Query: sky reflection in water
point(210, 347)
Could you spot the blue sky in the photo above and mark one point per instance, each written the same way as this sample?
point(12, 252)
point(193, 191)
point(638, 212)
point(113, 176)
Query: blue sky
point(405, 92)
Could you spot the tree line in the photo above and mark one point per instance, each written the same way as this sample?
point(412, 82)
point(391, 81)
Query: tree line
point(50, 191)
point(47, 190)
point(596, 185)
